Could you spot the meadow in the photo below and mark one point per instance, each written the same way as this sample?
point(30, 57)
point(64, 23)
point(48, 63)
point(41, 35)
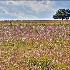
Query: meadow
point(35, 46)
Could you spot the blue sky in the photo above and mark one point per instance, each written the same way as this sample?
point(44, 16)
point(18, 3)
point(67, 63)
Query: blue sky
point(31, 10)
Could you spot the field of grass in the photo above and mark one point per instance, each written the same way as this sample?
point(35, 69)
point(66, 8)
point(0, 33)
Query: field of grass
point(35, 47)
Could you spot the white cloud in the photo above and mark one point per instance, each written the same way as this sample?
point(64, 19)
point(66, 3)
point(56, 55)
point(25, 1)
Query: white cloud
point(23, 16)
point(3, 10)
point(41, 6)
point(17, 8)
point(36, 6)
point(15, 2)
point(18, 14)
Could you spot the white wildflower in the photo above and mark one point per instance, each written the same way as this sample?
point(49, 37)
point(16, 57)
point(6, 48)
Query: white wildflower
point(23, 39)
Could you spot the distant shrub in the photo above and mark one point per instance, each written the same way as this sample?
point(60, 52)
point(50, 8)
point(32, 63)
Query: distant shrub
point(10, 23)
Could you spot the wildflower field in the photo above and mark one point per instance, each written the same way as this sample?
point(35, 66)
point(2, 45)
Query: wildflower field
point(35, 47)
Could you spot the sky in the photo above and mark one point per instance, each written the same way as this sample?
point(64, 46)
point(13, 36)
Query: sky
point(31, 9)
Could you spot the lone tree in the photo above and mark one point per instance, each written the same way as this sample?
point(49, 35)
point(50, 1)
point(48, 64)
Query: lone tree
point(62, 14)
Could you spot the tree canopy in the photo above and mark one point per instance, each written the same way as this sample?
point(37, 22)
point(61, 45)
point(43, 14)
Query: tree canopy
point(62, 14)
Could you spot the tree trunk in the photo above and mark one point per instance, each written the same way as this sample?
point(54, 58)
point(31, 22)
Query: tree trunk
point(62, 18)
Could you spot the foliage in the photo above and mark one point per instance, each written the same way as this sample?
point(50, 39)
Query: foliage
point(62, 14)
